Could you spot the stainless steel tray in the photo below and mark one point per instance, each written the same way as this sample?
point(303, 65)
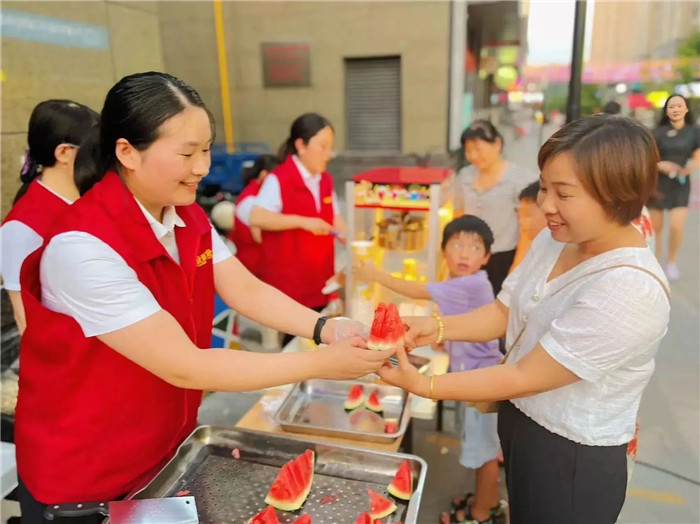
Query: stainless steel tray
point(229, 490)
point(316, 407)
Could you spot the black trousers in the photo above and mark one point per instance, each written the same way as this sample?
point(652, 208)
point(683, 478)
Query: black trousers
point(497, 268)
point(554, 480)
point(33, 510)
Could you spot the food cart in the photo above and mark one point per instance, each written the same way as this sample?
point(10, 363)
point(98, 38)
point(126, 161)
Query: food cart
point(395, 216)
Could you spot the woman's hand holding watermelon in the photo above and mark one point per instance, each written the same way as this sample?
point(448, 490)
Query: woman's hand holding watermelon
point(422, 331)
point(405, 375)
point(349, 358)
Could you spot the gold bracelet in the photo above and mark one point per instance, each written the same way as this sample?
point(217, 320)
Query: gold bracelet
point(432, 387)
point(441, 329)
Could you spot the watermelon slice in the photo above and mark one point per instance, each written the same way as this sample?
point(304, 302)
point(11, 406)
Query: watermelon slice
point(293, 483)
point(266, 516)
point(364, 518)
point(388, 329)
point(379, 507)
point(402, 485)
point(391, 425)
point(355, 398)
point(373, 403)
point(304, 519)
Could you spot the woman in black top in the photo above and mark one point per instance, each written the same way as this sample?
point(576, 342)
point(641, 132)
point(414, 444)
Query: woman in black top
point(678, 140)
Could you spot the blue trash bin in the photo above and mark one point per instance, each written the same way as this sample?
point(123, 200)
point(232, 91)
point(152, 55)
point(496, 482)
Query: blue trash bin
point(226, 168)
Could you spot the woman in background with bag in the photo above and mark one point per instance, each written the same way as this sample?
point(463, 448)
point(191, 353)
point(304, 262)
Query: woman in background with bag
point(583, 316)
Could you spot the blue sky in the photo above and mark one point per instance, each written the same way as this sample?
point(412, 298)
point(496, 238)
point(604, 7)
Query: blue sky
point(551, 31)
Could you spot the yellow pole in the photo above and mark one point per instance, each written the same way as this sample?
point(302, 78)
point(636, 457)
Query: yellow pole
point(223, 75)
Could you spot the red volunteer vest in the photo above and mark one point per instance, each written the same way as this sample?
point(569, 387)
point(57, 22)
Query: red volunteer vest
point(295, 261)
point(248, 251)
point(90, 424)
point(37, 208)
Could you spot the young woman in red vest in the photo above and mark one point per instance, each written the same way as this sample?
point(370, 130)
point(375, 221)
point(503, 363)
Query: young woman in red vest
point(119, 303)
point(248, 239)
point(56, 128)
point(297, 210)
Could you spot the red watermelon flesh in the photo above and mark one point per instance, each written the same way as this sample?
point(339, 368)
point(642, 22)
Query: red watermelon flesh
point(364, 518)
point(379, 507)
point(304, 519)
point(373, 402)
point(355, 398)
point(402, 485)
point(391, 425)
point(266, 516)
point(376, 334)
point(293, 483)
point(388, 329)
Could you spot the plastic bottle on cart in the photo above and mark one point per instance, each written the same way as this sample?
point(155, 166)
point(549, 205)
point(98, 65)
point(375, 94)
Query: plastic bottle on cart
point(335, 306)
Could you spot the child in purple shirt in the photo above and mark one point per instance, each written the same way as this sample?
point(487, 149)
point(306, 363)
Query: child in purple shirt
point(466, 245)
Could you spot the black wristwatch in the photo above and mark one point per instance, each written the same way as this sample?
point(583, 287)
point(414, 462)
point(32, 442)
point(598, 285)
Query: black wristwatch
point(317, 329)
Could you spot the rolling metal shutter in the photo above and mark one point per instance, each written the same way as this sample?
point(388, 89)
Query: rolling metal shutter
point(373, 104)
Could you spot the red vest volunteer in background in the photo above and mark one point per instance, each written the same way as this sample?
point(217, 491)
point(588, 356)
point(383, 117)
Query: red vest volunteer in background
point(56, 127)
point(297, 210)
point(246, 239)
point(119, 304)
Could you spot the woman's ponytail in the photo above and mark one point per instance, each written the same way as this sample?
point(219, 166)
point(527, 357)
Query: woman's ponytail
point(90, 162)
point(287, 148)
point(30, 171)
point(52, 123)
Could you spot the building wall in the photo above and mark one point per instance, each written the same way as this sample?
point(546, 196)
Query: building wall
point(179, 37)
point(417, 31)
point(634, 31)
point(34, 71)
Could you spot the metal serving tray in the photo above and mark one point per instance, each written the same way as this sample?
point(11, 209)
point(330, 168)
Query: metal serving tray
point(230, 490)
point(316, 407)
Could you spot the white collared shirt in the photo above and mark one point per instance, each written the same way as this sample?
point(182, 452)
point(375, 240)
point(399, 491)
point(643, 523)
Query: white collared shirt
point(270, 195)
point(18, 241)
point(83, 277)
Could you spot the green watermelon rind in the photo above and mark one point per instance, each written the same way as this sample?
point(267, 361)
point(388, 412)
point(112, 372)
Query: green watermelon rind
point(351, 405)
point(396, 488)
point(288, 469)
point(377, 408)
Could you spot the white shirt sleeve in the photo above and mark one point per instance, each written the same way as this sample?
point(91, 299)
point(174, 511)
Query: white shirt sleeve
point(617, 314)
point(18, 241)
point(84, 278)
point(243, 209)
point(270, 195)
point(220, 250)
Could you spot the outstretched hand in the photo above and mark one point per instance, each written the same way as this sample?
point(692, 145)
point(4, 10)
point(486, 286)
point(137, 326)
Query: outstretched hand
point(404, 374)
point(422, 331)
point(350, 358)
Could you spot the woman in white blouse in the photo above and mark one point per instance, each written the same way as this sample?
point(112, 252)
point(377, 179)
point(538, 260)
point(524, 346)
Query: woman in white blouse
point(584, 314)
